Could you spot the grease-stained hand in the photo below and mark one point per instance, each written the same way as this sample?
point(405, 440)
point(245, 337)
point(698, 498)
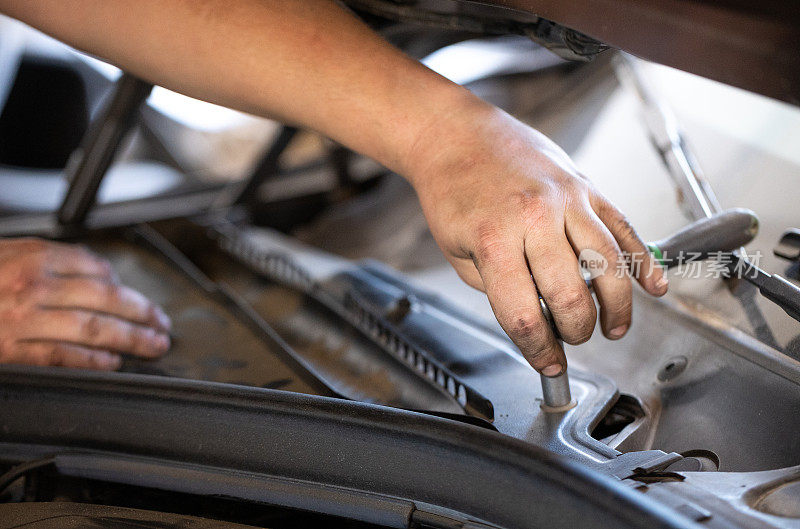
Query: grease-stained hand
point(511, 213)
point(61, 305)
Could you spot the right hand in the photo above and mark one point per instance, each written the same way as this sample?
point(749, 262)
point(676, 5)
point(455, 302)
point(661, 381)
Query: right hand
point(60, 305)
point(512, 214)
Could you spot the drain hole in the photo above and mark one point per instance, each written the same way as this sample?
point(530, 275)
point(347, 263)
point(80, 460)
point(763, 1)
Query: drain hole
point(625, 412)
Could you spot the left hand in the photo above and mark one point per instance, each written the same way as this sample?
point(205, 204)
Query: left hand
point(61, 305)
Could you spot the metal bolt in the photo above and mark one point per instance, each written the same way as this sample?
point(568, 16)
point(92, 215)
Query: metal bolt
point(556, 396)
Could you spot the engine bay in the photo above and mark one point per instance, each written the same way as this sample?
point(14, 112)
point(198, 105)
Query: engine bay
point(254, 308)
point(325, 371)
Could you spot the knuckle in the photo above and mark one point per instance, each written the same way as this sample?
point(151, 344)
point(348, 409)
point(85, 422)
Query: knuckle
point(576, 315)
point(35, 264)
point(609, 249)
point(25, 301)
point(530, 200)
point(489, 246)
point(569, 300)
point(576, 187)
point(535, 207)
point(38, 291)
point(28, 279)
point(56, 355)
point(528, 325)
point(623, 227)
point(91, 328)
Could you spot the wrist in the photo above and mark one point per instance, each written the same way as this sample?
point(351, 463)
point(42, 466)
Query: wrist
point(447, 135)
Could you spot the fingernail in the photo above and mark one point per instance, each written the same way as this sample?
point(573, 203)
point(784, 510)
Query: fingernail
point(618, 332)
point(661, 283)
point(552, 371)
point(163, 319)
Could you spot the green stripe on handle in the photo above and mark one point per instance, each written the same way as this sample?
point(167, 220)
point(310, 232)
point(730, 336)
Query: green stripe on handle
point(656, 251)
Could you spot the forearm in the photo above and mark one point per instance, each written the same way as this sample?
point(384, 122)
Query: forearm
point(307, 62)
point(506, 205)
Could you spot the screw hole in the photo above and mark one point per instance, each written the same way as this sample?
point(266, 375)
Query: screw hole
point(674, 367)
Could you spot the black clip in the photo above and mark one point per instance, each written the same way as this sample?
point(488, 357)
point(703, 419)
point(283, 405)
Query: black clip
point(789, 245)
point(789, 248)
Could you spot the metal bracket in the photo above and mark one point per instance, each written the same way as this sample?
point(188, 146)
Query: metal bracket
point(90, 162)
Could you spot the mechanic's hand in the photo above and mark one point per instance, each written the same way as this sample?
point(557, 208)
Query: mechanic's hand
point(504, 204)
point(61, 305)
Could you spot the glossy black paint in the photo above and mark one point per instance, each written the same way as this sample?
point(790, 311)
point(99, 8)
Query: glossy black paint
point(225, 430)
